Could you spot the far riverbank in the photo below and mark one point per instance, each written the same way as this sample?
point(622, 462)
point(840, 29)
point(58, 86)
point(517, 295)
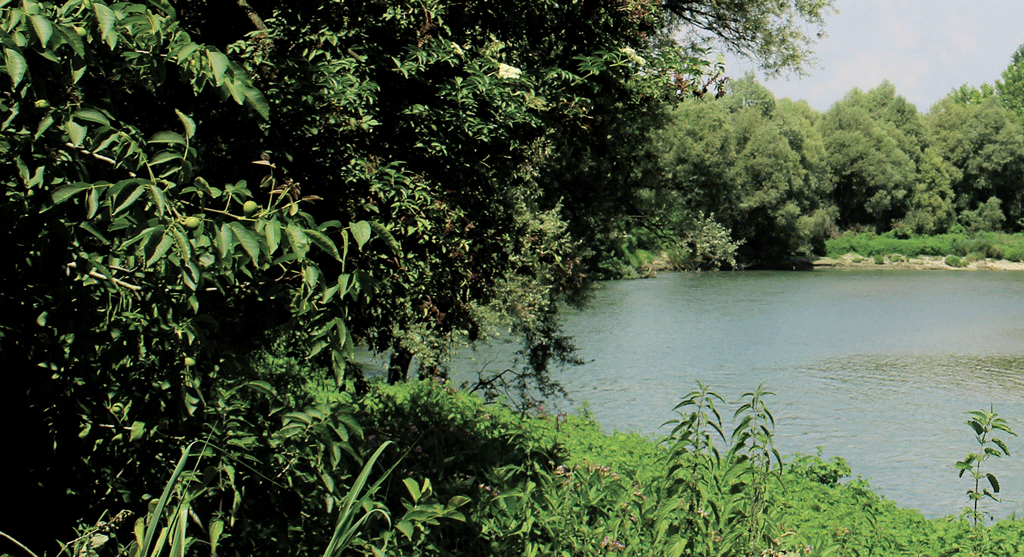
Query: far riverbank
point(922, 263)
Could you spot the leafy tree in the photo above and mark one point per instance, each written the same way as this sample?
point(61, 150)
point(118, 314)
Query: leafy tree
point(149, 267)
point(966, 94)
point(871, 158)
point(776, 33)
point(1011, 88)
point(985, 143)
point(931, 208)
point(757, 165)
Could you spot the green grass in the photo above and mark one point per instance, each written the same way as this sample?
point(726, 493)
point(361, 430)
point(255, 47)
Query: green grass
point(983, 245)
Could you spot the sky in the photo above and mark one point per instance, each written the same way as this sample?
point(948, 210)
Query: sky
point(926, 48)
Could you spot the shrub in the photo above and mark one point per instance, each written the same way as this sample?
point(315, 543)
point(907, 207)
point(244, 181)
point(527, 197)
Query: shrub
point(879, 259)
point(955, 261)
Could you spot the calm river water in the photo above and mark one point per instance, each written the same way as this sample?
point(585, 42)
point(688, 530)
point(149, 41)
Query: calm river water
point(875, 366)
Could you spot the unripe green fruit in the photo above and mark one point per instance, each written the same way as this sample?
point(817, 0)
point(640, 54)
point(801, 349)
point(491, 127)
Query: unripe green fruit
point(191, 222)
point(250, 207)
point(189, 362)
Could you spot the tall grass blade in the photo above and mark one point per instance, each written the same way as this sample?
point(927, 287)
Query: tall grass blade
point(347, 525)
point(154, 520)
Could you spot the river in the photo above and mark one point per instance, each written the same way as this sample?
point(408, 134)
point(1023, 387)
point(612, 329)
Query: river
point(877, 367)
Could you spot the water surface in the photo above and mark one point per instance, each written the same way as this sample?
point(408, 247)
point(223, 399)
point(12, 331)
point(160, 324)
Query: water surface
point(875, 366)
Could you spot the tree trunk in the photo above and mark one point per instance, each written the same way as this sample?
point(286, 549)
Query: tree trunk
point(398, 368)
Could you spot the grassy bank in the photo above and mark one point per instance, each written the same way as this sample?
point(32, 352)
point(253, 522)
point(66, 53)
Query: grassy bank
point(557, 485)
point(987, 245)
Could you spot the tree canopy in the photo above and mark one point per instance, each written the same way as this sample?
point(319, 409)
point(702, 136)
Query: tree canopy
point(209, 204)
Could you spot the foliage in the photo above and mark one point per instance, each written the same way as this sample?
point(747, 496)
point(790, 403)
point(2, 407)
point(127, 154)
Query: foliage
point(986, 244)
point(985, 424)
point(1011, 87)
point(775, 33)
point(185, 190)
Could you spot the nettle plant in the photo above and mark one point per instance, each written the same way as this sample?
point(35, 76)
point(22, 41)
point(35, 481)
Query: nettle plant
point(985, 424)
point(714, 503)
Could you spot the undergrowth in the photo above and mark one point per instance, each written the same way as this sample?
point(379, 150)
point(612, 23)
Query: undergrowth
point(557, 484)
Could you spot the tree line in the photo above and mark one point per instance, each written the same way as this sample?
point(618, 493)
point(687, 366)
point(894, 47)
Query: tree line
point(782, 177)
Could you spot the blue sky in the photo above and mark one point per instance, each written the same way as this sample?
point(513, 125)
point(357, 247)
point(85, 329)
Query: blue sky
point(925, 47)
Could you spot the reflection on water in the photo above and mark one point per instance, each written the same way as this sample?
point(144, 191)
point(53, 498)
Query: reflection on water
point(876, 367)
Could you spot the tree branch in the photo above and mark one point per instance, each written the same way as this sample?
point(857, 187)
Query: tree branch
point(255, 19)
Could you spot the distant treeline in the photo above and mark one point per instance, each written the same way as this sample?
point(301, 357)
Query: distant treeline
point(780, 178)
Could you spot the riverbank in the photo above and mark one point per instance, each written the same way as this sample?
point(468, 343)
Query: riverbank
point(857, 261)
point(918, 263)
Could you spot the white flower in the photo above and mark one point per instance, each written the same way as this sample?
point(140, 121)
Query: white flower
point(508, 72)
point(632, 55)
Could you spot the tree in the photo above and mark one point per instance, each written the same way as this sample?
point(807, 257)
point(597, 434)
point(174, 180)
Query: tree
point(756, 164)
point(872, 159)
point(772, 32)
point(1011, 88)
point(986, 145)
point(931, 207)
point(147, 266)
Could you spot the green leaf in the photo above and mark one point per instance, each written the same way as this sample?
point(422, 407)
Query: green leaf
point(105, 17)
point(223, 241)
point(298, 240)
point(167, 136)
point(182, 243)
point(216, 528)
point(165, 156)
point(138, 430)
point(388, 238)
point(414, 489)
point(76, 132)
point(42, 27)
point(93, 203)
point(186, 51)
point(457, 501)
point(159, 199)
point(248, 240)
point(91, 115)
point(272, 232)
point(72, 39)
point(187, 123)
point(44, 125)
point(255, 100)
point(323, 242)
point(161, 249)
point(220, 63)
point(67, 192)
point(16, 66)
point(135, 195)
point(360, 232)
point(993, 482)
point(405, 527)
point(263, 386)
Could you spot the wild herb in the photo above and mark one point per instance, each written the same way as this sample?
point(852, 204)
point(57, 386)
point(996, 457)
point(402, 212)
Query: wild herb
point(984, 424)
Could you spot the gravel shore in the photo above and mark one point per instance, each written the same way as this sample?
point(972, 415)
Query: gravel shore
point(922, 263)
